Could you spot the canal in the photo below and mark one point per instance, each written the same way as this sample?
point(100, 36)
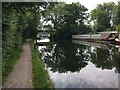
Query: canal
point(79, 64)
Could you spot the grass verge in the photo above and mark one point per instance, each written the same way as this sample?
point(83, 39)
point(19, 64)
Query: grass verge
point(41, 78)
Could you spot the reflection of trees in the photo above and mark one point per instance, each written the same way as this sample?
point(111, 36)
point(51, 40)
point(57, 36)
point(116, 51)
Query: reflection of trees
point(117, 63)
point(105, 59)
point(65, 56)
point(116, 58)
point(102, 59)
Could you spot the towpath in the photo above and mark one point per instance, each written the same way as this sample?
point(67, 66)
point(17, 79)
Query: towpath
point(21, 76)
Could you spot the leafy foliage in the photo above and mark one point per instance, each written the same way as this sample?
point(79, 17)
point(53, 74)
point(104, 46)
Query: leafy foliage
point(19, 22)
point(104, 16)
point(67, 19)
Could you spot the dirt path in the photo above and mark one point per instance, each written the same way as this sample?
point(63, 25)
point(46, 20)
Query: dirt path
point(21, 76)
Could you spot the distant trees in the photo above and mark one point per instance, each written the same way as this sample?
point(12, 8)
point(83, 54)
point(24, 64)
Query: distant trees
point(21, 19)
point(64, 19)
point(118, 13)
point(67, 19)
point(118, 20)
point(104, 16)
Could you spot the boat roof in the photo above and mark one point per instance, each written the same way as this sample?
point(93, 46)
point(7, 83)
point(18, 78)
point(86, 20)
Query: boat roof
point(109, 32)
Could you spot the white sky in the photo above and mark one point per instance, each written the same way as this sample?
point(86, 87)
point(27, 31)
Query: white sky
point(90, 4)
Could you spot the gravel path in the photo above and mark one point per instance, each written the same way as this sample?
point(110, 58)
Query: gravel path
point(21, 76)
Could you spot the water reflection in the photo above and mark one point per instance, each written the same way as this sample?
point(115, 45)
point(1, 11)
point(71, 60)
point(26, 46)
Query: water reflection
point(65, 56)
point(81, 64)
point(88, 77)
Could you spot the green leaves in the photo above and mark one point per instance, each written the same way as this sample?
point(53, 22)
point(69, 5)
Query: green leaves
point(104, 16)
point(118, 27)
point(66, 19)
point(19, 22)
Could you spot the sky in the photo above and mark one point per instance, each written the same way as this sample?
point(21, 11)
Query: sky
point(90, 4)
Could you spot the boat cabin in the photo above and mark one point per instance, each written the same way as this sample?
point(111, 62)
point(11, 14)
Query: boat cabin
point(109, 35)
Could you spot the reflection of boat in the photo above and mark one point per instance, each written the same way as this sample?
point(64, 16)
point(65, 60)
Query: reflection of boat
point(117, 46)
point(117, 41)
point(43, 40)
point(97, 45)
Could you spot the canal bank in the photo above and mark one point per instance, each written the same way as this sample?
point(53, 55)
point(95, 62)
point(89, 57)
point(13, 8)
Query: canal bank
point(41, 78)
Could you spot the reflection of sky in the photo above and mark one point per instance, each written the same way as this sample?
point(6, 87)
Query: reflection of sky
point(88, 77)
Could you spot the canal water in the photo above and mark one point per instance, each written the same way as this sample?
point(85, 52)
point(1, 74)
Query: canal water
point(79, 64)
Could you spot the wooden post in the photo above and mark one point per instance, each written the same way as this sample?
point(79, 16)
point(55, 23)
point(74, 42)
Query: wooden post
point(90, 36)
point(35, 41)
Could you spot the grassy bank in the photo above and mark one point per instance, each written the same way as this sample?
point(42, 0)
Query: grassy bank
point(41, 78)
point(9, 63)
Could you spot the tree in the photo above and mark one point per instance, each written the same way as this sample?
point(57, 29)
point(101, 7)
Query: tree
point(67, 19)
point(118, 13)
point(118, 20)
point(118, 29)
point(104, 16)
